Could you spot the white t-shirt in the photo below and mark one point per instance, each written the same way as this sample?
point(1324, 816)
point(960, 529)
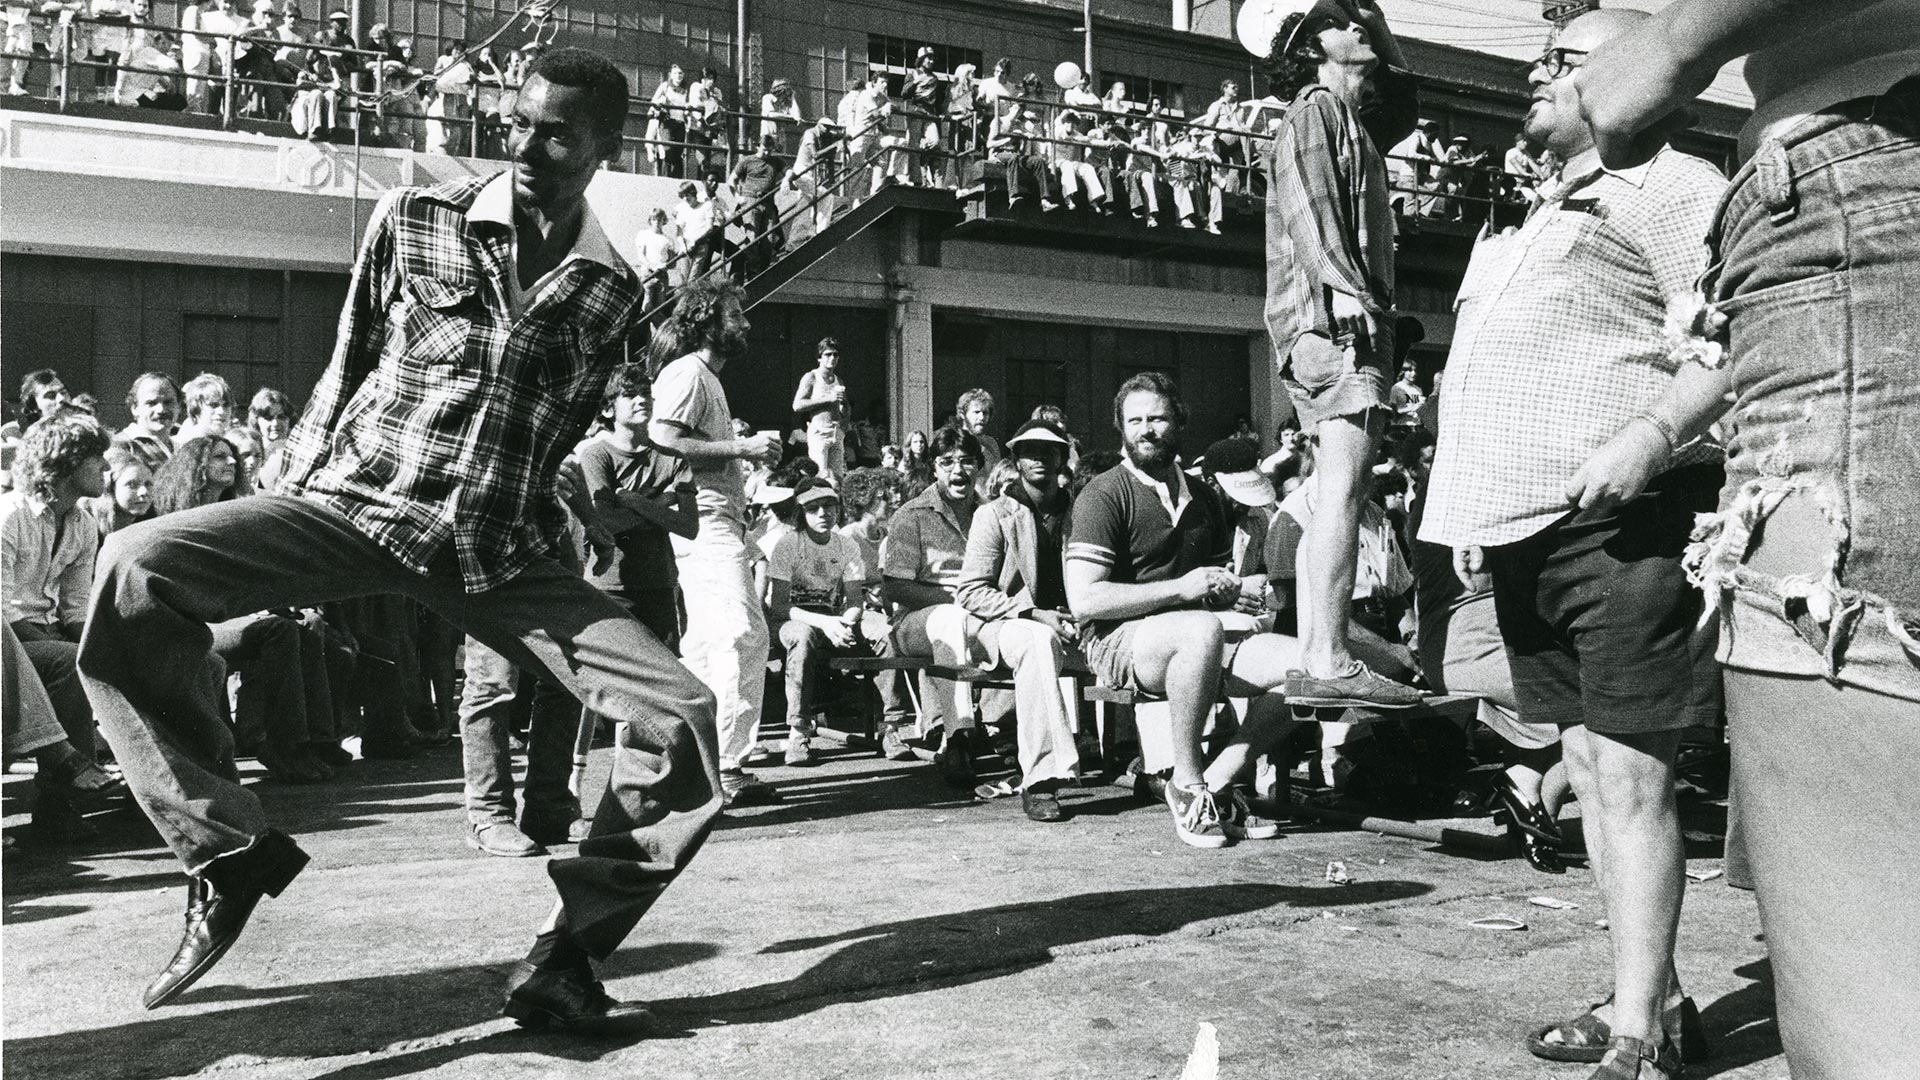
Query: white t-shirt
point(689, 394)
point(822, 575)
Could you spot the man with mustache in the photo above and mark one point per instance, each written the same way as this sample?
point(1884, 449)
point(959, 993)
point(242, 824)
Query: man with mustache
point(483, 320)
point(1146, 574)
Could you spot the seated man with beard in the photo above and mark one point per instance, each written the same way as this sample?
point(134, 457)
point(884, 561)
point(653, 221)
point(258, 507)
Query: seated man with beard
point(1146, 575)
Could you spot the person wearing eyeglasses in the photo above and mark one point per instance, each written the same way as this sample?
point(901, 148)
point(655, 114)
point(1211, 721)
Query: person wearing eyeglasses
point(1813, 561)
point(1564, 472)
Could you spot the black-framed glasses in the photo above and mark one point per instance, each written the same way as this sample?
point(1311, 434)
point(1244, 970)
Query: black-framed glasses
point(1557, 62)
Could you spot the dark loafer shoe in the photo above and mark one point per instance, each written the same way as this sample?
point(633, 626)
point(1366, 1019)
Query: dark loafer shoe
point(572, 1001)
point(1042, 806)
point(553, 831)
point(219, 901)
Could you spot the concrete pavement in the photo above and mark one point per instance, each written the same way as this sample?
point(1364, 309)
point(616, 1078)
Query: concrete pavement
point(872, 925)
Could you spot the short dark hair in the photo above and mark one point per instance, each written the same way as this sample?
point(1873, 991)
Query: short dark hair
point(54, 446)
point(267, 399)
point(1150, 382)
point(954, 437)
point(627, 380)
point(825, 344)
point(133, 392)
point(587, 70)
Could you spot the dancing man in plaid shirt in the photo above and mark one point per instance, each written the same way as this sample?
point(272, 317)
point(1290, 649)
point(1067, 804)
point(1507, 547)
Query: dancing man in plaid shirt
point(1562, 470)
point(483, 320)
point(1329, 294)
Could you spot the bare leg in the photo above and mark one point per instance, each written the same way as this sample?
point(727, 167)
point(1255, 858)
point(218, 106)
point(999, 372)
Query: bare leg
point(1177, 654)
point(1328, 552)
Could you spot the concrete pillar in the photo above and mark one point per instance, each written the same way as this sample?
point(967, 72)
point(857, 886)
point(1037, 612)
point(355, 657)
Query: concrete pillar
point(1270, 404)
point(909, 362)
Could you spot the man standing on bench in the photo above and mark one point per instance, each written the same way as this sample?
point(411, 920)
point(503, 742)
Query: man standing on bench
point(1014, 577)
point(1146, 572)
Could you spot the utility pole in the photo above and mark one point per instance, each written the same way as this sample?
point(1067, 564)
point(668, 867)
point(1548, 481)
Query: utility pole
point(1086, 29)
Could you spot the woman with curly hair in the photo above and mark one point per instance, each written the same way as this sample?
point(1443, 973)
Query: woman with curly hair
point(202, 470)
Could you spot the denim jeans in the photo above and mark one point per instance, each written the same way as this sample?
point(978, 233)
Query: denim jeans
point(486, 707)
point(1819, 264)
point(1819, 248)
point(156, 686)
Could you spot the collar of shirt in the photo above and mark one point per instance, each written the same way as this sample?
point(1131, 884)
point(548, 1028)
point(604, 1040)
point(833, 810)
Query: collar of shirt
point(1175, 498)
point(494, 205)
point(1585, 167)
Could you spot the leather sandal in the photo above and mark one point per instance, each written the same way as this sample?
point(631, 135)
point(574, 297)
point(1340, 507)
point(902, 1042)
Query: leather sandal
point(1584, 1039)
point(1628, 1058)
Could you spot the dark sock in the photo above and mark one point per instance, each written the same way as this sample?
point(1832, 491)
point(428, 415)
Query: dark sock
point(555, 951)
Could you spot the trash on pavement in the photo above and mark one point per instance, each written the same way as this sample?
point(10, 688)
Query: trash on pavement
point(1337, 873)
point(1498, 922)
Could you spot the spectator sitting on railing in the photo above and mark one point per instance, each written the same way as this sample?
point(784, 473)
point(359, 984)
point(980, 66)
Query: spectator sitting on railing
point(1143, 174)
point(1189, 164)
point(380, 40)
point(253, 59)
point(287, 30)
point(104, 42)
point(1457, 167)
point(316, 97)
point(338, 35)
point(1015, 143)
point(157, 84)
point(1078, 177)
point(997, 88)
point(488, 87)
point(1524, 172)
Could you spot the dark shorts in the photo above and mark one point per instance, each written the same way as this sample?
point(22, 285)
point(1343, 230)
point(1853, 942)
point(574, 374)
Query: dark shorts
point(1327, 381)
point(1600, 624)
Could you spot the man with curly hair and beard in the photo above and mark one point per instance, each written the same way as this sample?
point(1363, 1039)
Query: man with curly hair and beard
point(483, 320)
point(726, 640)
point(1329, 297)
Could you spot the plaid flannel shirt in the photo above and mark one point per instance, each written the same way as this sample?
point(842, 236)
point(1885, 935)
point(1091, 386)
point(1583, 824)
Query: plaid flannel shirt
point(1329, 207)
point(440, 419)
point(1560, 341)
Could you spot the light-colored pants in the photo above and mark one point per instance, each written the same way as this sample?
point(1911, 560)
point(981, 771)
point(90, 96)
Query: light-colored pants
point(1035, 654)
point(1081, 178)
point(951, 637)
point(828, 449)
point(725, 643)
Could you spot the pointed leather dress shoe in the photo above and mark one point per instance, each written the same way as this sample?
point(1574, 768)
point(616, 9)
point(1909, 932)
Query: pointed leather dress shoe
point(573, 1001)
point(218, 904)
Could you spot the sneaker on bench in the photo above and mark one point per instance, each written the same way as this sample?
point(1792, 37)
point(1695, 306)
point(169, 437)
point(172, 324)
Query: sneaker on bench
point(1359, 687)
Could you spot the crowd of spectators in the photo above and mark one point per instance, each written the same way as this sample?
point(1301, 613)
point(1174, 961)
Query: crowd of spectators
point(858, 547)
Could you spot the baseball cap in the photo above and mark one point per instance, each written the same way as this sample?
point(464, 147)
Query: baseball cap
point(1234, 464)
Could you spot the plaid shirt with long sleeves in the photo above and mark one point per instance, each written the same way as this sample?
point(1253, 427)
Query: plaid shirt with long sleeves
point(1330, 208)
point(1559, 342)
point(441, 420)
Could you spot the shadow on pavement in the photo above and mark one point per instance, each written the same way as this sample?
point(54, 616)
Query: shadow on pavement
point(1741, 1026)
point(893, 959)
point(321, 1020)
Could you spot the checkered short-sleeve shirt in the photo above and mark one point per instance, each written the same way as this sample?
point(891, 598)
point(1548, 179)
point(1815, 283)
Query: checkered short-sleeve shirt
point(1560, 342)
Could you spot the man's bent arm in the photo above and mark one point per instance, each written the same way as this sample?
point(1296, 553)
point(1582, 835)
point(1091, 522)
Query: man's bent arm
point(913, 595)
point(363, 333)
point(1093, 598)
point(1634, 81)
point(696, 448)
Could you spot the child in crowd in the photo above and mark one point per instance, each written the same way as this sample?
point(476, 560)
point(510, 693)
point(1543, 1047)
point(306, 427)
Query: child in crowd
point(821, 400)
point(129, 494)
point(270, 415)
point(640, 496)
point(819, 586)
point(209, 408)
